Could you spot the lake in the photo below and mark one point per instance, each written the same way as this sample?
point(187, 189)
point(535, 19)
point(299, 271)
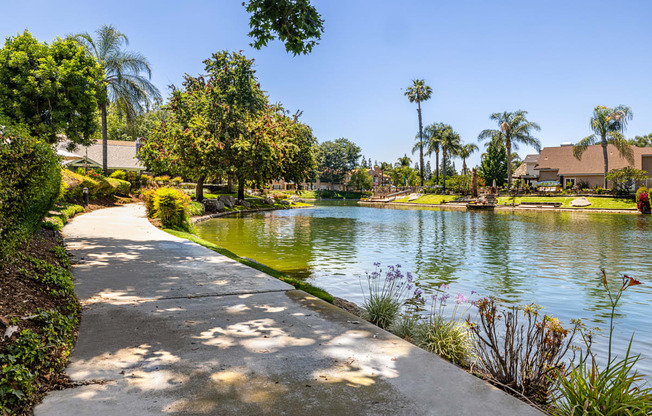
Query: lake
point(549, 258)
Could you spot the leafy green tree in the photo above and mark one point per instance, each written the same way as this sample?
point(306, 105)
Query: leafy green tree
point(642, 141)
point(384, 167)
point(493, 166)
point(335, 159)
point(296, 23)
point(514, 128)
point(50, 89)
point(361, 180)
point(428, 170)
point(608, 125)
point(625, 178)
point(122, 81)
point(464, 152)
point(418, 93)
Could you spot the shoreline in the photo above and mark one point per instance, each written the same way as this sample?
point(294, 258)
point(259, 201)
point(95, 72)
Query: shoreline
point(462, 207)
point(196, 220)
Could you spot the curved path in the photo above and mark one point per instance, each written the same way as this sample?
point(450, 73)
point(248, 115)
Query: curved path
point(170, 327)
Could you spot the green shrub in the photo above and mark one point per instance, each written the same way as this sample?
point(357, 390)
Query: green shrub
point(75, 184)
point(196, 209)
point(112, 187)
point(63, 212)
point(149, 195)
point(119, 174)
point(176, 181)
point(30, 182)
point(171, 205)
point(448, 338)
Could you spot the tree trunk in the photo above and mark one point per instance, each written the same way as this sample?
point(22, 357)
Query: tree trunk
point(420, 144)
point(444, 171)
point(508, 144)
point(199, 189)
point(606, 160)
point(241, 188)
point(437, 165)
point(105, 162)
point(464, 165)
point(229, 183)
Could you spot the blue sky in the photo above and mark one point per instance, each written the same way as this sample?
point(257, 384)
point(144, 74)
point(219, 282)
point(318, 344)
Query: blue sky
point(555, 59)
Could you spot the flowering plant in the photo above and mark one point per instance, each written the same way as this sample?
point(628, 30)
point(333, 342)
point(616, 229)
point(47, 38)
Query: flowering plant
point(387, 293)
point(643, 202)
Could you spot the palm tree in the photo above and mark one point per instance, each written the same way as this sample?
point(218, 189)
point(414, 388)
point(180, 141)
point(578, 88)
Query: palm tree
point(608, 125)
point(514, 128)
point(433, 133)
point(419, 92)
point(384, 166)
point(464, 152)
point(404, 161)
point(123, 83)
point(450, 145)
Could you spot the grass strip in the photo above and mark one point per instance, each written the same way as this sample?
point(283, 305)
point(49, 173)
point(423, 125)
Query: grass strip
point(298, 284)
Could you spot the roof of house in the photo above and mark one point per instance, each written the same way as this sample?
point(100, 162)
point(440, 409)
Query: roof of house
point(592, 162)
point(121, 154)
point(531, 159)
point(521, 170)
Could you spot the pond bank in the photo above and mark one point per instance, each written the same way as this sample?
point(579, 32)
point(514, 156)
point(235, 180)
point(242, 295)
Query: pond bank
point(170, 326)
point(462, 207)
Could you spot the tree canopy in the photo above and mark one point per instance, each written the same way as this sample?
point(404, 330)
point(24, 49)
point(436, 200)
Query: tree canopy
point(296, 23)
point(336, 158)
point(493, 165)
point(50, 89)
point(222, 122)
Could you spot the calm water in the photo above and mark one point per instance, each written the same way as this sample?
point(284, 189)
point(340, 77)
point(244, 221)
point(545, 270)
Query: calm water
point(551, 258)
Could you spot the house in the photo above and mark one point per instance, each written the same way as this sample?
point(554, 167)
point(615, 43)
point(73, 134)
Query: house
point(526, 172)
point(559, 164)
point(120, 155)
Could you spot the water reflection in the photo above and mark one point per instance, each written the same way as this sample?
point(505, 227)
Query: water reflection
point(549, 258)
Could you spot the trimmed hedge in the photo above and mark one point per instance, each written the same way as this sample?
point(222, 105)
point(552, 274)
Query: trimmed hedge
point(30, 183)
point(75, 183)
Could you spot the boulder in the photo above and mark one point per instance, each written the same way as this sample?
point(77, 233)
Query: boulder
point(580, 202)
point(294, 198)
point(219, 206)
point(284, 202)
point(269, 201)
point(228, 200)
point(244, 203)
point(210, 205)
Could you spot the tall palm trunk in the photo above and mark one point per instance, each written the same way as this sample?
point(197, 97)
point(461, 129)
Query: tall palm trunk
point(437, 165)
point(105, 160)
point(444, 170)
point(464, 165)
point(508, 144)
point(605, 155)
point(420, 143)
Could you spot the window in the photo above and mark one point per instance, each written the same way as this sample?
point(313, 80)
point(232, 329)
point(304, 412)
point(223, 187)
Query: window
point(569, 182)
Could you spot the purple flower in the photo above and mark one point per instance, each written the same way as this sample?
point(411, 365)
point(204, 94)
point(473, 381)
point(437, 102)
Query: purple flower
point(473, 292)
point(409, 277)
point(445, 286)
point(377, 263)
point(460, 298)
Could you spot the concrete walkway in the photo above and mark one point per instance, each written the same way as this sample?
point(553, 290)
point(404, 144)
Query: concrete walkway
point(170, 327)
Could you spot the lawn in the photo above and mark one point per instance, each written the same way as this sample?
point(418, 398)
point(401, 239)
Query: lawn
point(596, 203)
point(430, 199)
